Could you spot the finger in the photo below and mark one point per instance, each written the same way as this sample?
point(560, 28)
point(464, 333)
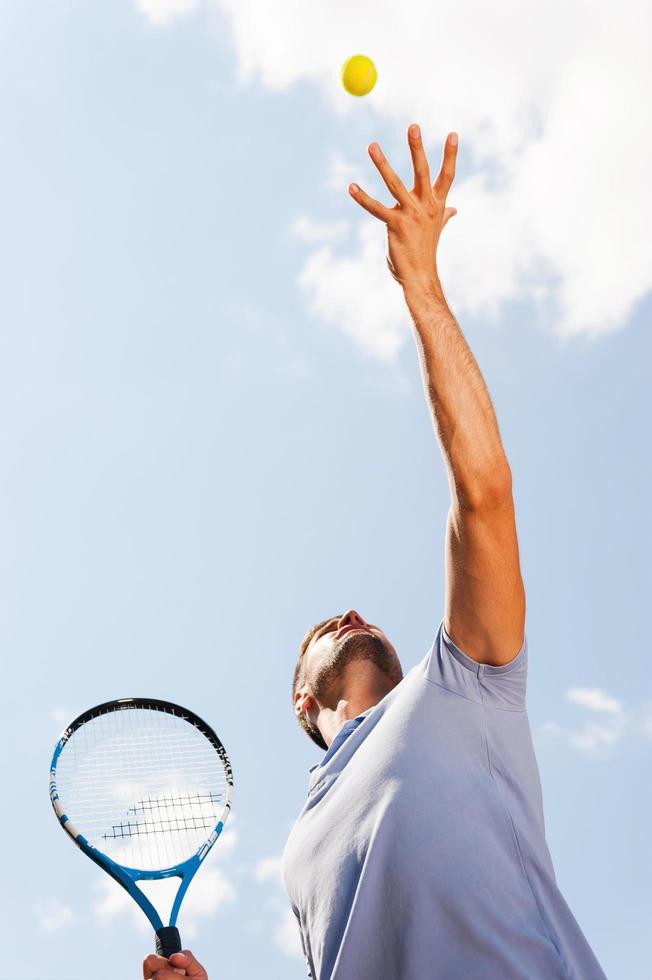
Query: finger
point(193, 968)
point(169, 974)
point(152, 963)
point(419, 161)
point(448, 214)
point(370, 204)
point(394, 184)
point(442, 185)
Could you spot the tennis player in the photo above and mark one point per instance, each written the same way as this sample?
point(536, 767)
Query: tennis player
point(420, 852)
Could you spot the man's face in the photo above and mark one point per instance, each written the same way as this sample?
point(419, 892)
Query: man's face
point(339, 642)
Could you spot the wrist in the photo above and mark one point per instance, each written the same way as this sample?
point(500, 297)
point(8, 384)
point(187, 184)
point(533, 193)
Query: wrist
point(420, 291)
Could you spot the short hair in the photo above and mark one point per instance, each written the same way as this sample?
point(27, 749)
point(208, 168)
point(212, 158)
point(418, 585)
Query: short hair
point(299, 678)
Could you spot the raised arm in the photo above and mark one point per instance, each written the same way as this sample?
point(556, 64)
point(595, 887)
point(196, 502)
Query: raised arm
point(485, 598)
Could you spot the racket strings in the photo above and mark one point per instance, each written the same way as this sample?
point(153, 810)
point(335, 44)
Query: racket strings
point(157, 824)
point(144, 786)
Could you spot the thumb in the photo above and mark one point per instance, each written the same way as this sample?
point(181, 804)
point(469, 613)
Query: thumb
point(448, 214)
point(187, 961)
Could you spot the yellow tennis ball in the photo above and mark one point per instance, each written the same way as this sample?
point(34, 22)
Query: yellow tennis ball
point(359, 75)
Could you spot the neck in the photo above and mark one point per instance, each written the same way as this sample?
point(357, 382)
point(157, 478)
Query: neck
point(362, 690)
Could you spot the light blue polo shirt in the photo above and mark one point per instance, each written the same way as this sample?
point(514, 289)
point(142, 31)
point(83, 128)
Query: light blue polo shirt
point(344, 732)
point(420, 852)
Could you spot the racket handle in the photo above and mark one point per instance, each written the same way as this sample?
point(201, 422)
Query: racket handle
point(168, 941)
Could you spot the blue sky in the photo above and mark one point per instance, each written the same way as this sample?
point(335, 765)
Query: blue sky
point(213, 431)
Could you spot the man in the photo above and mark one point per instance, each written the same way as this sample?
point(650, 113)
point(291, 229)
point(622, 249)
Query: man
point(420, 852)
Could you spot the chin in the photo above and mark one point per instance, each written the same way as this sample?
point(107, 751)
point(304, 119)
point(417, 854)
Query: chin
point(360, 640)
point(370, 647)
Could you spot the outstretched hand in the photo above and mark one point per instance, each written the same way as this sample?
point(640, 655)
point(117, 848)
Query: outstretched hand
point(180, 964)
point(416, 221)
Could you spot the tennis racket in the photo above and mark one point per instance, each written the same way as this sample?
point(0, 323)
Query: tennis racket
point(144, 788)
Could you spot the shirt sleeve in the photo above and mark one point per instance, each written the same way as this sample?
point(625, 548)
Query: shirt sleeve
point(450, 667)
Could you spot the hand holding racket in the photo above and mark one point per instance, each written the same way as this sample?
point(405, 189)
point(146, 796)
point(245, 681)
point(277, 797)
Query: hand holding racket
point(156, 968)
point(143, 787)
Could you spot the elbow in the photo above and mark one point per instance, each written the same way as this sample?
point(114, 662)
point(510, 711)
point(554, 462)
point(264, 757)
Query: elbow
point(487, 493)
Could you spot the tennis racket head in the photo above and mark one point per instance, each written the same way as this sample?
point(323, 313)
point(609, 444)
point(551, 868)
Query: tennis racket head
point(143, 787)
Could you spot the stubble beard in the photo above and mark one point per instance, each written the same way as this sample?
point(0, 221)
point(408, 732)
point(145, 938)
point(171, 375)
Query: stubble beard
point(354, 646)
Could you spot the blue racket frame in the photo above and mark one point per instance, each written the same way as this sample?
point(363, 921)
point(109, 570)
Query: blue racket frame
point(128, 877)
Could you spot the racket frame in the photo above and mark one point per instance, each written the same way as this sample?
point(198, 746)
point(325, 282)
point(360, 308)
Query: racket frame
point(127, 877)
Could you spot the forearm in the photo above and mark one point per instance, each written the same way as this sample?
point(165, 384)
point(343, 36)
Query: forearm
point(462, 413)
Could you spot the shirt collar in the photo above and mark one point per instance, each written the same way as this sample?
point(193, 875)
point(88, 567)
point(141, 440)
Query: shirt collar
point(347, 728)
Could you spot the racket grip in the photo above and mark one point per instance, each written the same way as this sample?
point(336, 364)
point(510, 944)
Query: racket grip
point(168, 941)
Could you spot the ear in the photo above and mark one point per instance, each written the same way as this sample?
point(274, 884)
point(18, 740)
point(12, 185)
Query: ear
point(303, 701)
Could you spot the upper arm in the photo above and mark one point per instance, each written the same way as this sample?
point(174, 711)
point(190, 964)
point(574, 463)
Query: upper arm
point(485, 597)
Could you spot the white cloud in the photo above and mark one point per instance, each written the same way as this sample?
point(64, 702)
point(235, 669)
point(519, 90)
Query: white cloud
point(286, 932)
point(341, 172)
point(228, 838)
point(160, 12)
point(61, 715)
point(365, 303)
point(593, 737)
point(112, 902)
point(53, 915)
point(646, 724)
point(269, 869)
point(286, 935)
point(208, 892)
point(551, 728)
point(594, 698)
point(311, 231)
point(555, 202)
